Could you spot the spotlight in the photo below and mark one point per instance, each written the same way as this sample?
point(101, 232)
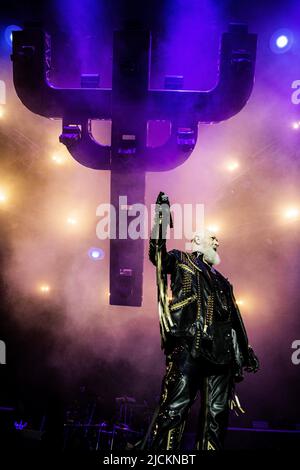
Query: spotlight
point(281, 41)
point(246, 302)
point(44, 288)
point(72, 220)
point(213, 228)
point(296, 125)
point(8, 33)
point(2, 112)
point(19, 426)
point(292, 213)
point(96, 254)
point(58, 159)
point(3, 196)
point(232, 165)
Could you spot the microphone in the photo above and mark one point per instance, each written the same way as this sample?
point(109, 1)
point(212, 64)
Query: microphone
point(163, 199)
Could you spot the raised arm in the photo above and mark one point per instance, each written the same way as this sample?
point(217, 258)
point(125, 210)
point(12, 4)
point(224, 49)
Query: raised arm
point(158, 234)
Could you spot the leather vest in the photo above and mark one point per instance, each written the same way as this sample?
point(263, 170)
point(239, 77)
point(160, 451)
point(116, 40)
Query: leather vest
point(203, 308)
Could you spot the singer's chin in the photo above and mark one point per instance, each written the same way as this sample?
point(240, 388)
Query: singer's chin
point(212, 257)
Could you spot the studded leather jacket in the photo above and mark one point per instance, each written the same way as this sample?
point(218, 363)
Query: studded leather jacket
point(203, 309)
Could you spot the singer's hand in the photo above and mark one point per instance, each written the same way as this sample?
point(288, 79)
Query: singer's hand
point(252, 364)
point(162, 208)
point(162, 198)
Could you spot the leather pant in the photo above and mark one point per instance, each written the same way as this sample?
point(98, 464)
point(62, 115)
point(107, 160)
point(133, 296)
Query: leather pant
point(183, 378)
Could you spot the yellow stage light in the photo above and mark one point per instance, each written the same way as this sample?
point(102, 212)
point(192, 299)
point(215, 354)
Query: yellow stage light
point(214, 228)
point(44, 288)
point(247, 302)
point(232, 165)
point(3, 196)
point(58, 159)
point(72, 220)
point(2, 112)
point(292, 213)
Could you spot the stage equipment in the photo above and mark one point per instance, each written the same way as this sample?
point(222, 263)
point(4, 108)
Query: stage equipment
point(130, 105)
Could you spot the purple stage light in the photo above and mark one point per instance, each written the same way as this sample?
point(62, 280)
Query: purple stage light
point(19, 426)
point(8, 33)
point(281, 41)
point(96, 254)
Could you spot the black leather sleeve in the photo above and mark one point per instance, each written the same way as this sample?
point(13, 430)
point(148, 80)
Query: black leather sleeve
point(250, 360)
point(252, 364)
point(158, 242)
point(168, 258)
point(239, 327)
